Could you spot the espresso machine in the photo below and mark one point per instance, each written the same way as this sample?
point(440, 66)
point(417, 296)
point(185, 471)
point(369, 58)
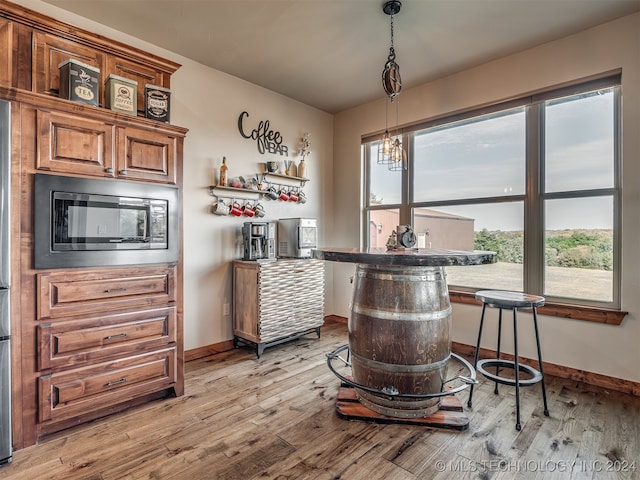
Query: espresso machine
point(259, 239)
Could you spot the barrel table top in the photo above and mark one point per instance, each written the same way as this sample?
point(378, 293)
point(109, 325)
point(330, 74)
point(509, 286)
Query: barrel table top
point(422, 257)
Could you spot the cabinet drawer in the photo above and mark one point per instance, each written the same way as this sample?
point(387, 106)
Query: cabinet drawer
point(64, 293)
point(71, 144)
point(75, 342)
point(146, 155)
point(75, 392)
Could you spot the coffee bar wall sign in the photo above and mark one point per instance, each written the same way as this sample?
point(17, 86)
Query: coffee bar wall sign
point(267, 140)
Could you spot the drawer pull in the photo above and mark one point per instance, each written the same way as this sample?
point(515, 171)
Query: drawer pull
point(113, 290)
point(119, 335)
point(116, 382)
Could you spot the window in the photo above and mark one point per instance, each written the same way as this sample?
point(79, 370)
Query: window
point(535, 179)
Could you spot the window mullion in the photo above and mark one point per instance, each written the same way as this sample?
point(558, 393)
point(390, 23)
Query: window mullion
point(533, 206)
point(407, 181)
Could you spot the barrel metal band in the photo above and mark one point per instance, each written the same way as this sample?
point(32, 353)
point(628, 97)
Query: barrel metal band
point(398, 277)
point(396, 368)
point(394, 315)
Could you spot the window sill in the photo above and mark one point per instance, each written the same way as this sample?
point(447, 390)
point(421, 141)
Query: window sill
point(575, 312)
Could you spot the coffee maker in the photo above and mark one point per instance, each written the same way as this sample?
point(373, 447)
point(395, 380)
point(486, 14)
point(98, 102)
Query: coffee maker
point(259, 239)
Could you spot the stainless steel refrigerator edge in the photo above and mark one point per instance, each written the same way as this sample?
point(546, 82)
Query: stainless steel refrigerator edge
point(5, 269)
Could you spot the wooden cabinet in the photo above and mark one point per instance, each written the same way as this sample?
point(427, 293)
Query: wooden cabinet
point(100, 340)
point(88, 341)
point(277, 301)
point(68, 143)
point(70, 343)
point(6, 51)
point(145, 154)
point(68, 394)
point(49, 51)
point(62, 293)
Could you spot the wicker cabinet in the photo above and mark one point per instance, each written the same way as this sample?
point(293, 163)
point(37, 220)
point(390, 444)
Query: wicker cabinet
point(277, 301)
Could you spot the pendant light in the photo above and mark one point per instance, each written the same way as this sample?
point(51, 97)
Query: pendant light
point(390, 150)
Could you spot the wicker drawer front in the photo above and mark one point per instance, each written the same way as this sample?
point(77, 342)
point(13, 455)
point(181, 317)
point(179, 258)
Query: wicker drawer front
point(64, 293)
point(68, 394)
point(69, 344)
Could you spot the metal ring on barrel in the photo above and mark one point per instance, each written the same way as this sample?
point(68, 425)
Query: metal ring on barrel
point(387, 392)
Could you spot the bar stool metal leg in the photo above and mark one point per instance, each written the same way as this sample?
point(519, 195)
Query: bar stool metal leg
point(495, 388)
point(475, 359)
point(516, 369)
point(544, 390)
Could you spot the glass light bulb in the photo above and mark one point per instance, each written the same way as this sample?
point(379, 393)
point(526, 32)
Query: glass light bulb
point(386, 144)
point(396, 154)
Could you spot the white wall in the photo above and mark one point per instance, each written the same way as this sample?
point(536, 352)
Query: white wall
point(208, 103)
point(605, 349)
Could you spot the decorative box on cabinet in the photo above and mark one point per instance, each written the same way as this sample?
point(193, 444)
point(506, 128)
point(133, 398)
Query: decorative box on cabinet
point(277, 301)
point(139, 73)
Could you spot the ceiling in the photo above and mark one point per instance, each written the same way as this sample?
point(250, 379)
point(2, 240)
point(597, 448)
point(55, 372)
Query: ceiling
point(330, 53)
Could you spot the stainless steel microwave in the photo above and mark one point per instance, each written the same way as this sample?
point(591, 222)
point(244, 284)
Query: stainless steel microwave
point(297, 237)
point(82, 222)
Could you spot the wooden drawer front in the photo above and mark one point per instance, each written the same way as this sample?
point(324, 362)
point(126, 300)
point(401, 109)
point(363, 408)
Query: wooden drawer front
point(74, 342)
point(66, 293)
point(72, 144)
point(49, 52)
point(139, 73)
point(147, 155)
point(72, 393)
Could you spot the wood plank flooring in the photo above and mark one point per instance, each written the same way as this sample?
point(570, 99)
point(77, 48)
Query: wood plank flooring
point(274, 418)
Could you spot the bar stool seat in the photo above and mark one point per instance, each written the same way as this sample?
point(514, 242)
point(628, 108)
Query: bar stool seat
point(507, 300)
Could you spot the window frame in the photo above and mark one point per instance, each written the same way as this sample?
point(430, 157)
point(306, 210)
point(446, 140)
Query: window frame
point(534, 196)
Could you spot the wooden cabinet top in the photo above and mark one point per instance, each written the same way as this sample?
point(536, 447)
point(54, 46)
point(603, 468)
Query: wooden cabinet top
point(43, 23)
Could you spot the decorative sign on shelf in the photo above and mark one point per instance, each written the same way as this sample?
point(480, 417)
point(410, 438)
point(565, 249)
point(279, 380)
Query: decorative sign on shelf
point(266, 139)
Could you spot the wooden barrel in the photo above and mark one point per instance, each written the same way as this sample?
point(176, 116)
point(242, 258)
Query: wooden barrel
point(399, 337)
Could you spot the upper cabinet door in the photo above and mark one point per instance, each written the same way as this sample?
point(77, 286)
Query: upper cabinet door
point(50, 51)
point(69, 143)
point(146, 155)
point(6, 49)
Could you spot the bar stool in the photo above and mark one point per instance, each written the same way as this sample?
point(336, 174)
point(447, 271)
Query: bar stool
point(504, 300)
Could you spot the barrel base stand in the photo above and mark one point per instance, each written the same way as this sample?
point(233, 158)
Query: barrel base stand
point(449, 416)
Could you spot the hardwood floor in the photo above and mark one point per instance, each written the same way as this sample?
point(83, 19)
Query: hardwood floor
point(274, 418)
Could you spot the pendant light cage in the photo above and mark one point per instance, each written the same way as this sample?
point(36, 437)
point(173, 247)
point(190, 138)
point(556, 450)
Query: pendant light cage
point(390, 150)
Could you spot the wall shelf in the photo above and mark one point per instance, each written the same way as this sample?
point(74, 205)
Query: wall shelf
point(234, 193)
point(286, 180)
